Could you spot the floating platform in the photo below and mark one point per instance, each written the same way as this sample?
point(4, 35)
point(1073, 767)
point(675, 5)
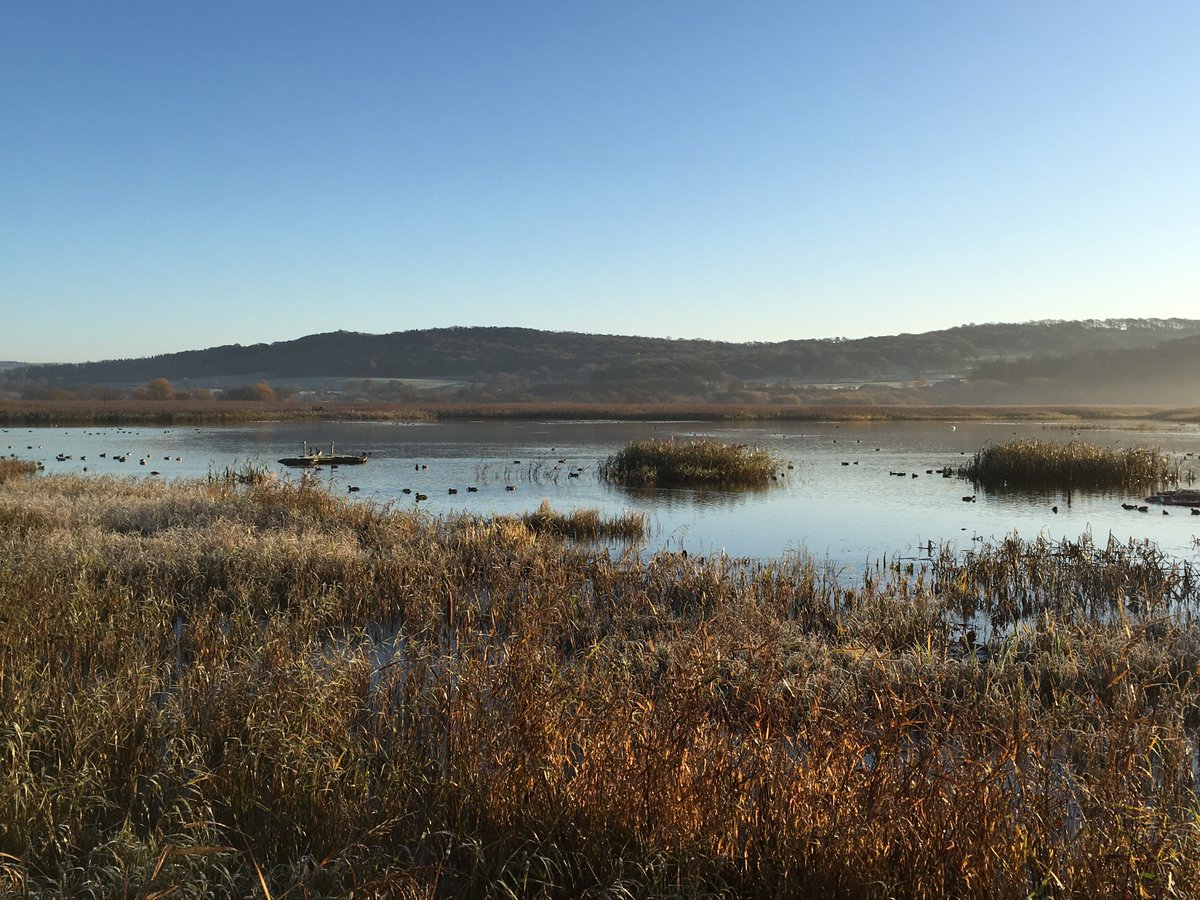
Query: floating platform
point(1176, 498)
point(309, 459)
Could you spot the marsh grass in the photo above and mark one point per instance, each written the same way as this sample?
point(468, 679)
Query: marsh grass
point(1035, 464)
point(11, 468)
point(218, 688)
point(695, 463)
point(585, 524)
point(249, 472)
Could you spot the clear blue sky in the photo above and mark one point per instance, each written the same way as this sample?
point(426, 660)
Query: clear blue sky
point(181, 175)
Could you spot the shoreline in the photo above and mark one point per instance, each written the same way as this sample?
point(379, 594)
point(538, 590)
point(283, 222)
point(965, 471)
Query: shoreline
point(29, 413)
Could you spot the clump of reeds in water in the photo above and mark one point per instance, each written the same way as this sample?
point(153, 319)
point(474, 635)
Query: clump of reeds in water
point(701, 462)
point(11, 468)
point(585, 524)
point(1031, 463)
point(224, 689)
point(244, 473)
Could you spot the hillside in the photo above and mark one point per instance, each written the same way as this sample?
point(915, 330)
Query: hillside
point(519, 363)
point(1166, 374)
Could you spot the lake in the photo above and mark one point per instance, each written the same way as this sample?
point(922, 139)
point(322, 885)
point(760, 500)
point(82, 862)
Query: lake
point(838, 502)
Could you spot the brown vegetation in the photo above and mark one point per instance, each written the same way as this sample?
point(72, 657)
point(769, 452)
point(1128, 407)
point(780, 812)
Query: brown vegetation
point(584, 524)
point(1030, 463)
point(198, 411)
point(223, 688)
point(11, 468)
point(696, 463)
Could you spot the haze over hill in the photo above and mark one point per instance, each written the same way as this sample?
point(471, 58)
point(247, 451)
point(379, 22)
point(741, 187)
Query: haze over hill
point(1152, 361)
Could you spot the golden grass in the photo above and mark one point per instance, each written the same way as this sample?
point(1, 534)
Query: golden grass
point(11, 468)
point(585, 524)
point(1030, 463)
point(220, 688)
point(695, 463)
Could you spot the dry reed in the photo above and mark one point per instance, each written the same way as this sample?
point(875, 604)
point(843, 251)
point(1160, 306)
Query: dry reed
point(695, 463)
point(230, 689)
point(1030, 463)
point(11, 468)
point(585, 524)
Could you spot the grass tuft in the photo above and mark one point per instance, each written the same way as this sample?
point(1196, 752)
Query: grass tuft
point(1031, 463)
point(585, 524)
point(12, 468)
point(697, 463)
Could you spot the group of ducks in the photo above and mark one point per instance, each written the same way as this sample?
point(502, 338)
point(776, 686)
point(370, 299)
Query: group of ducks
point(116, 457)
point(471, 489)
point(1144, 508)
point(418, 496)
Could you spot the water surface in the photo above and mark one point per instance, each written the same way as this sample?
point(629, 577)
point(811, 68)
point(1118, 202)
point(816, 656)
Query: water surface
point(839, 500)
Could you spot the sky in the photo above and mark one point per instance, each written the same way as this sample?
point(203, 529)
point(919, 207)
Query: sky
point(184, 175)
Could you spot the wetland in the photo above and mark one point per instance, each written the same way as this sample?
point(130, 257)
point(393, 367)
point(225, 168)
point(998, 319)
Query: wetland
point(223, 680)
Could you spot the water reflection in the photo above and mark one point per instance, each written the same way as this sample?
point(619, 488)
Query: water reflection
point(691, 498)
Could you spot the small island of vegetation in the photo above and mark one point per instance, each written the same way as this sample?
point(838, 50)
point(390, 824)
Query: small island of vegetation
point(700, 463)
point(1035, 464)
point(584, 524)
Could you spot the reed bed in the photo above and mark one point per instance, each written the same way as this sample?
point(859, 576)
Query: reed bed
point(224, 688)
point(1035, 464)
point(11, 468)
point(585, 524)
point(696, 463)
point(216, 412)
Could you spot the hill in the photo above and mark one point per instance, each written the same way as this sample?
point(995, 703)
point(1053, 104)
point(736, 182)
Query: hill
point(1166, 374)
point(518, 363)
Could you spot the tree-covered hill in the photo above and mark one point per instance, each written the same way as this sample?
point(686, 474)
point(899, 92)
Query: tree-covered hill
point(487, 363)
point(1165, 374)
